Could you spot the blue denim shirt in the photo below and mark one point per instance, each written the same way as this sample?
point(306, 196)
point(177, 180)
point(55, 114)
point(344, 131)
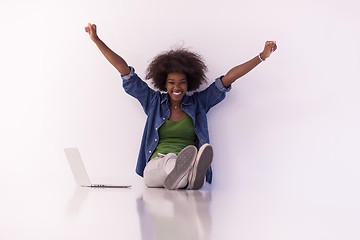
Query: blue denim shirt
point(156, 107)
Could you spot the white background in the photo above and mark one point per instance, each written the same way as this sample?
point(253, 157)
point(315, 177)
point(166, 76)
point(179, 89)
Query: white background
point(292, 123)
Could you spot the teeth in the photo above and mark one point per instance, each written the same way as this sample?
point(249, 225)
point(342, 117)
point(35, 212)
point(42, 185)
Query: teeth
point(177, 93)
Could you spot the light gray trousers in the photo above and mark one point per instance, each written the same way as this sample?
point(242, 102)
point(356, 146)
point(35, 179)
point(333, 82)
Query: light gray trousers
point(157, 169)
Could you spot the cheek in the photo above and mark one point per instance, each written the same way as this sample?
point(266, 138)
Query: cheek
point(167, 86)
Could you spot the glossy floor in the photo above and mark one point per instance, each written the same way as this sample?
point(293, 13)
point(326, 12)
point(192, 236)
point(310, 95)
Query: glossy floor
point(41, 212)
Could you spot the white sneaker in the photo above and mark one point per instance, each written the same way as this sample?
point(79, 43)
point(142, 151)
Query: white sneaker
point(184, 162)
point(201, 164)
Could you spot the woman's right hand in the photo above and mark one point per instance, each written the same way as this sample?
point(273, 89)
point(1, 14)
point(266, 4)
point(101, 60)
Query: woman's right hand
point(115, 60)
point(91, 29)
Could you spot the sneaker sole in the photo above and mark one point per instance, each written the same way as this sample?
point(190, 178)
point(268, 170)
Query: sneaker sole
point(202, 163)
point(184, 162)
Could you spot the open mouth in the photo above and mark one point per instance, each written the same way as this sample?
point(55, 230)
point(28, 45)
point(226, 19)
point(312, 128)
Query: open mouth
point(177, 93)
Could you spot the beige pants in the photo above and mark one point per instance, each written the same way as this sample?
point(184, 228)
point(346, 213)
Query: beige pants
point(157, 169)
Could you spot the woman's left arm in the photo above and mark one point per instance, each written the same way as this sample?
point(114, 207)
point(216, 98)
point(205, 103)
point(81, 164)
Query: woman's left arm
point(241, 70)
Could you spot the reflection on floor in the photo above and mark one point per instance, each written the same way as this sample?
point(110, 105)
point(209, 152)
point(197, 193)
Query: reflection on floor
point(174, 214)
point(260, 210)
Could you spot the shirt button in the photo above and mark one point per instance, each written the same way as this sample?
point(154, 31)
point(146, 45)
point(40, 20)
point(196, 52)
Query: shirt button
point(156, 129)
point(155, 140)
point(149, 151)
point(163, 118)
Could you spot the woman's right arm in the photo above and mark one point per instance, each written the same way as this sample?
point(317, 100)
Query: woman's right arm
point(115, 60)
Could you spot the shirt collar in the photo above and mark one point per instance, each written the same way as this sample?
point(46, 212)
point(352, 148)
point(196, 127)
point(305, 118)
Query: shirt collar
point(186, 100)
point(165, 99)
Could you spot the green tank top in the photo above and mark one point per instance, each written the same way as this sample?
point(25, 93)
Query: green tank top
point(174, 136)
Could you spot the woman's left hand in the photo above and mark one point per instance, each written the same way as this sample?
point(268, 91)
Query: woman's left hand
point(270, 47)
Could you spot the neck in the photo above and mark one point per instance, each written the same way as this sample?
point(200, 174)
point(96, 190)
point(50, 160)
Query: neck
point(175, 105)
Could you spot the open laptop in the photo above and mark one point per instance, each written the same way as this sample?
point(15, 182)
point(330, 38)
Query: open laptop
point(78, 169)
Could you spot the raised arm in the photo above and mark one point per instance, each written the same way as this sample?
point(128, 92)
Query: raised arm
point(242, 69)
point(117, 61)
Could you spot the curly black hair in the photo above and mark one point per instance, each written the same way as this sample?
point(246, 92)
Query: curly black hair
point(179, 60)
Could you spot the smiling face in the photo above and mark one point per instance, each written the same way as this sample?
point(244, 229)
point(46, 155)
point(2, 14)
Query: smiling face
point(176, 85)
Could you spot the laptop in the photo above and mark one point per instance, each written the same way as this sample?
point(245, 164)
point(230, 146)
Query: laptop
point(78, 169)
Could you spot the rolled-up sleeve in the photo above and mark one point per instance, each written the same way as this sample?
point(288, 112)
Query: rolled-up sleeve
point(220, 86)
point(130, 75)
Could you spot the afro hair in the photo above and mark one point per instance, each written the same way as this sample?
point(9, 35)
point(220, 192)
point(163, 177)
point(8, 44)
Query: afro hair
point(179, 60)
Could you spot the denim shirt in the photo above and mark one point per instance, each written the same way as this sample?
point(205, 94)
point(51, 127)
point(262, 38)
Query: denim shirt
point(156, 107)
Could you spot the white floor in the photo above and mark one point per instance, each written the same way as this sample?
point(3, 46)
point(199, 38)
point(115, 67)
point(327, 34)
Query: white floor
point(259, 212)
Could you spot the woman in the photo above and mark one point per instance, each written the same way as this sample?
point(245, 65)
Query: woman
point(175, 151)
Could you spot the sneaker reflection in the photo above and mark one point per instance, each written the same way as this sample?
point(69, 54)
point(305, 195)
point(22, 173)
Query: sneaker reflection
point(178, 214)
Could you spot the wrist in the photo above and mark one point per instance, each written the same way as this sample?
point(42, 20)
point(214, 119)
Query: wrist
point(261, 57)
point(96, 39)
